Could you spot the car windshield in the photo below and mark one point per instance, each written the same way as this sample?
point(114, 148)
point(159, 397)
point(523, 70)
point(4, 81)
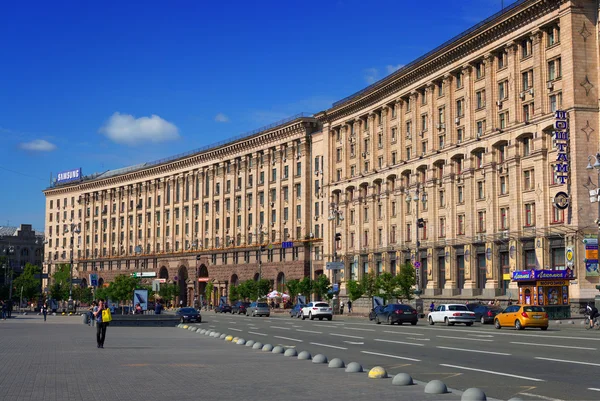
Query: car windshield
point(322, 305)
point(188, 310)
point(457, 307)
point(533, 309)
point(401, 307)
point(262, 305)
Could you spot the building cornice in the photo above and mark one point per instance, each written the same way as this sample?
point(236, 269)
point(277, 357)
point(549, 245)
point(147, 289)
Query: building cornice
point(447, 54)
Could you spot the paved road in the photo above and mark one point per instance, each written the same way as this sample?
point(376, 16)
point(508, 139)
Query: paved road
point(559, 364)
point(58, 361)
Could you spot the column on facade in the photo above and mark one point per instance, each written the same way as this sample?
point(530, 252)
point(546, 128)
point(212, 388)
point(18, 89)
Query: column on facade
point(492, 269)
point(542, 253)
point(468, 109)
point(513, 84)
point(386, 135)
point(515, 252)
point(539, 72)
point(491, 116)
point(449, 109)
point(470, 269)
point(451, 285)
point(432, 271)
point(431, 116)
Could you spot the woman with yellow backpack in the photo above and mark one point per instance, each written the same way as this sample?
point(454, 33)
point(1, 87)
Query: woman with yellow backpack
point(103, 318)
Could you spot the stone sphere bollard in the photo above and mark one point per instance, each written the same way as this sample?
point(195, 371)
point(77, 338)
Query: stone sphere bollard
point(402, 379)
point(249, 343)
point(354, 367)
point(378, 373)
point(305, 355)
point(228, 338)
point(240, 341)
point(336, 363)
point(473, 394)
point(257, 345)
point(267, 348)
point(291, 352)
point(319, 358)
point(436, 387)
point(278, 349)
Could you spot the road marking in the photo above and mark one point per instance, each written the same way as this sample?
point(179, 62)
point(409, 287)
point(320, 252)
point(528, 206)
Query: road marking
point(567, 361)
point(322, 325)
point(354, 342)
point(543, 397)
point(482, 335)
point(296, 326)
point(212, 326)
point(258, 334)
point(399, 342)
point(345, 335)
point(465, 338)
point(418, 339)
point(492, 372)
point(330, 346)
point(552, 345)
point(391, 356)
point(473, 350)
point(291, 339)
point(310, 331)
point(282, 328)
point(498, 332)
point(403, 332)
point(593, 389)
point(231, 328)
point(356, 328)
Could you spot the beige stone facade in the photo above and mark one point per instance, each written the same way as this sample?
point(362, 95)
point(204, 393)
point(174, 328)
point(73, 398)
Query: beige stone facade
point(465, 133)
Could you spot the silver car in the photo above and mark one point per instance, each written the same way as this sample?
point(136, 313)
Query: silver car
point(258, 309)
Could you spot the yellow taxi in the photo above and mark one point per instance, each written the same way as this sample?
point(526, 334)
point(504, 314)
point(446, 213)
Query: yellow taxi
point(521, 316)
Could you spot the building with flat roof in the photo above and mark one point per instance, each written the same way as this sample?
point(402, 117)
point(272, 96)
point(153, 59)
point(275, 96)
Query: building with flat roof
point(469, 162)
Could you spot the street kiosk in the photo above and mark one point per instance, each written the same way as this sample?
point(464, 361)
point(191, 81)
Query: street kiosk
point(547, 288)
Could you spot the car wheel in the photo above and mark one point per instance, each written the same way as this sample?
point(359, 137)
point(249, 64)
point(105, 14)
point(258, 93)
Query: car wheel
point(377, 320)
point(469, 324)
point(447, 322)
point(268, 315)
point(310, 316)
point(253, 313)
point(544, 328)
point(431, 321)
point(413, 323)
point(482, 320)
point(303, 317)
point(399, 323)
point(389, 320)
point(497, 324)
point(199, 320)
point(329, 318)
point(518, 325)
point(320, 318)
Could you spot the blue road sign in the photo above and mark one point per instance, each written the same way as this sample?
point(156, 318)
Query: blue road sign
point(287, 244)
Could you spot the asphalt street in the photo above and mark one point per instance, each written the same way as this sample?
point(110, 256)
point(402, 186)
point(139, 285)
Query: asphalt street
point(559, 364)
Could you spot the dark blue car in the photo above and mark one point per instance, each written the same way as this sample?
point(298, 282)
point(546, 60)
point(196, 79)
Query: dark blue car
point(296, 311)
point(188, 315)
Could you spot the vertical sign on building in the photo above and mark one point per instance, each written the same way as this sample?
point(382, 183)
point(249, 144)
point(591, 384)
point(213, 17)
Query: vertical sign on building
point(561, 141)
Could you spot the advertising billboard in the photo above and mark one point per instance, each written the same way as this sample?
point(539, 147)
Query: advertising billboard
point(68, 176)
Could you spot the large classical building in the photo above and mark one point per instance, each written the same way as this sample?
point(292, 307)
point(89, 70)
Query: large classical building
point(19, 246)
point(469, 162)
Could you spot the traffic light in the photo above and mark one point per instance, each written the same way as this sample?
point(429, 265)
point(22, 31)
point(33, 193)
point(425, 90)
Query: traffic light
point(421, 223)
point(338, 237)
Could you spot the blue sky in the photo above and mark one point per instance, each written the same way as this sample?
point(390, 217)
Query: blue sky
point(103, 85)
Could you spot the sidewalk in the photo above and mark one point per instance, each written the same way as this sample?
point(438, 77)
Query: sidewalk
point(58, 360)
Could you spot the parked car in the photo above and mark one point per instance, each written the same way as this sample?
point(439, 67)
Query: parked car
point(318, 310)
point(484, 313)
point(375, 311)
point(397, 313)
point(223, 308)
point(188, 315)
point(451, 314)
point(521, 316)
point(296, 310)
point(240, 307)
point(258, 309)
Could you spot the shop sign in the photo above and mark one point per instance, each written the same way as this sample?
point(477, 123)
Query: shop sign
point(561, 139)
point(570, 256)
point(553, 282)
point(531, 275)
point(68, 176)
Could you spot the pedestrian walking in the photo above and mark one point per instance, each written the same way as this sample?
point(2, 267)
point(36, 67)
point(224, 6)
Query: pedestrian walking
point(103, 318)
point(4, 310)
point(45, 310)
point(342, 308)
point(432, 307)
point(93, 308)
point(157, 308)
point(349, 307)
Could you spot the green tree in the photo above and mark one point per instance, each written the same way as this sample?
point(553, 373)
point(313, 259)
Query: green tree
point(102, 293)
point(234, 295)
point(370, 285)
point(389, 286)
point(406, 282)
point(354, 289)
point(122, 288)
point(305, 286)
point(247, 289)
point(208, 292)
point(61, 279)
point(321, 287)
point(84, 295)
point(293, 287)
point(262, 288)
point(28, 282)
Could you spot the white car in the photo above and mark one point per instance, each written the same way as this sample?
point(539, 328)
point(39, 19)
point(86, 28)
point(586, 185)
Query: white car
point(450, 314)
point(317, 310)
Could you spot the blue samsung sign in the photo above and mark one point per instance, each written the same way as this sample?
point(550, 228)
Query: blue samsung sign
point(68, 176)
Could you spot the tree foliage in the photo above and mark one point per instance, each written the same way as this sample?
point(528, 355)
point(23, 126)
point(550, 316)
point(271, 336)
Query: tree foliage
point(61, 279)
point(234, 294)
point(247, 289)
point(321, 286)
point(305, 286)
point(370, 285)
point(31, 286)
point(122, 287)
point(262, 288)
point(293, 288)
point(354, 289)
point(389, 286)
point(208, 291)
point(406, 281)
point(82, 294)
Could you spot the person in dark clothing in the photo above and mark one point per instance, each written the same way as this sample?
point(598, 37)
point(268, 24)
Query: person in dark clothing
point(593, 312)
point(10, 307)
point(100, 325)
point(45, 310)
point(157, 308)
point(349, 307)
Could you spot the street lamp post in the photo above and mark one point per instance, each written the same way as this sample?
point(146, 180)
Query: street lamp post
point(419, 223)
point(8, 251)
point(74, 230)
point(335, 216)
point(596, 195)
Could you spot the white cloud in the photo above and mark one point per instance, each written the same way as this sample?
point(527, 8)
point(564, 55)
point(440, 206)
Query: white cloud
point(371, 75)
point(393, 68)
point(128, 130)
point(38, 145)
point(221, 118)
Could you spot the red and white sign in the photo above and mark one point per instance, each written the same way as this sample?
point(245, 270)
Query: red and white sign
point(203, 279)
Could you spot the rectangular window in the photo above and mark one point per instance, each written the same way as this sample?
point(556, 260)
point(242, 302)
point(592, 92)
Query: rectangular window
point(408, 129)
point(440, 88)
point(393, 135)
point(479, 70)
point(554, 69)
point(442, 227)
point(480, 190)
point(503, 120)
point(481, 221)
point(459, 80)
point(529, 214)
point(460, 227)
point(424, 122)
point(298, 169)
point(501, 59)
point(526, 147)
point(528, 180)
point(553, 36)
point(480, 126)
point(480, 99)
point(527, 112)
point(558, 215)
point(527, 80)
point(526, 48)
point(504, 218)
point(503, 90)
point(460, 135)
point(555, 102)
point(460, 194)
point(503, 185)
point(460, 109)
point(338, 154)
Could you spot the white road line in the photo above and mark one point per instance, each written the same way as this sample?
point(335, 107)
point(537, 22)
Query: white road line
point(418, 339)
point(399, 342)
point(231, 328)
point(391, 356)
point(347, 336)
point(212, 326)
point(567, 361)
point(282, 328)
point(329, 346)
point(593, 389)
point(322, 325)
point(403, 332)
point(291, 339)
point(543, 397)
point(258, 334)
point(552, 345)
point(465, 338)
point(296, 326)
point(354, 342)
point(482, 335)
point(492, 372)
point(473, 350)
point(310, 331)
point(546, 336)
point(356, 328)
